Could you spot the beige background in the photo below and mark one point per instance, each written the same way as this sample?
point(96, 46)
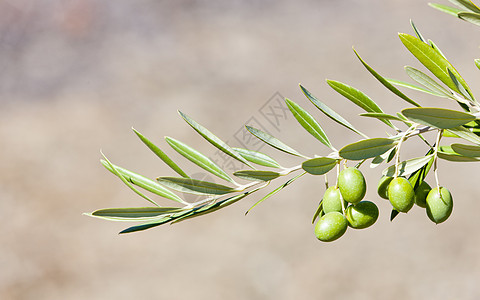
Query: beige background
point(76, 75)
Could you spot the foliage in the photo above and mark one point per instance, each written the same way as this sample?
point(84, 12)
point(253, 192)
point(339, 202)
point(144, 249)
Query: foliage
point(403, 180)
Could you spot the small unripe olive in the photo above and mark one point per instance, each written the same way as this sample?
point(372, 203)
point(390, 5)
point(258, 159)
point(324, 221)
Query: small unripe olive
point(401, 194)
point(439, 204)
point(352, 185)
point(382, 188)
point(331, 226)
point(332, 201)
point(362, 215)
point(421, 194)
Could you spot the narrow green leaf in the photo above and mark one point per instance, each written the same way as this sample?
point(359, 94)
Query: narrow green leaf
point(385, 82)
point(425, 80)
point(466, 134)
point(256, 175)
point(197, 158)
point(436, 48)
point(466, 4)
point(438, 117)
point(134, 213)
point(308, 123)
point(357, 97)
point(466, 150)
point(275, 191)
point(318, 211)
point(368, 148)
point(148, 225)
point(319, 165)
point(463, 92)
point(258, 158)
point(447, 153)
point(195, 186)
point(446, 9)
point(329, 112)
point(473, 18)
point(417, 32)
point(164, 157)
point(394, 214)
point(477, 63)
point(408, 167)
point(381, 116)
point(272, 141)
point(419, 175)
point(432, 60)
point(214, 140)
point(377, 160)
point(142, 182)
point(413, 87)
point(127, 183)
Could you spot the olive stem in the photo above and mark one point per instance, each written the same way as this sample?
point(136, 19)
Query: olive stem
point(403, 138)
point(435, 158)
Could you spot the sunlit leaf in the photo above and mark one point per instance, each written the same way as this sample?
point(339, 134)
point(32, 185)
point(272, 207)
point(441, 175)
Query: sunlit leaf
point(385, 82)
point(329, 112)
point(258, 158)
point(197, 158)
point(417, 32)
point(272, 141)
point(463, 92)
point(357, 97)
point(257, 175)
point(143, 182)
point(414, 87)
point(377, 160)
point(381, 116)
point(436, 48)
point(477, 63)
point(164, 157)
point(408, 167)
point(446, 9)
point(319, 165)
point(425, 80)
point(437, 117)
point(473, 18)
point(275, 191)
point(214, 140)
point(466, 150)
point(134, 213)
point(308, 123)
point(394, 214)
point(448, 153)
point(466, 4)
point(365, 149)
point(317, 212)
point(466, 134)
point(195, 186)
point(432, 60)
point(419, 175)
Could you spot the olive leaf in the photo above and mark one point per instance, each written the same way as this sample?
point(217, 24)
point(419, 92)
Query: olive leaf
point(330, 112)
point(272, 141)
point(408, 166)
point(357, 97)
point(257, 175)
point(438, 117)
point(446, 9)
point(318, 212)
point(448, 153)
point(134, 213)
point(198, 158)
point(142, 181)
point(308, 123)
point(425, 80)
point(413, 87)
point(419, 175)
point(381, 116)
point(275, 191)
point(164, 157)
point(195, 186)
point(417, 32)
point(466, 4)
point(466, 150)
point(385, 82)
point(214, 140)
point(319, 165)
point(463, 92)
point(432, 60)
point(368, 148)
point(477, 63)
point(258, 158)
point(473, 18)
point(436, 48)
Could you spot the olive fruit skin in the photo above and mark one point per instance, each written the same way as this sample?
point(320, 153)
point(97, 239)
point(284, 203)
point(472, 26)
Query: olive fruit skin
point(401, 194)
point(421, 194)
point(332, 201)
point(382, 188)
point(439, 204)
point(362, 215)
point(352, 185)
point(331, 226)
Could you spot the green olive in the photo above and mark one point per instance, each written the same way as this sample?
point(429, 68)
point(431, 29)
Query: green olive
point(401, 194)
point(439, 204)
point(352, 185)
point(332, 201)
point(421, 194)
point(382, 188)
point(362, 215)
point(331, 226)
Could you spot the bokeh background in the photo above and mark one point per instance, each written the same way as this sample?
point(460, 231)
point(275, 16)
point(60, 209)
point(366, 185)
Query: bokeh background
point(76, 75)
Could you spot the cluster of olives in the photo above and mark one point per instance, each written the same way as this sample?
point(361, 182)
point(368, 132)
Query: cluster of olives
point(438, 201)
point(349, 190)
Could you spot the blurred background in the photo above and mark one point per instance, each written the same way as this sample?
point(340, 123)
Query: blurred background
point(76, 75)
